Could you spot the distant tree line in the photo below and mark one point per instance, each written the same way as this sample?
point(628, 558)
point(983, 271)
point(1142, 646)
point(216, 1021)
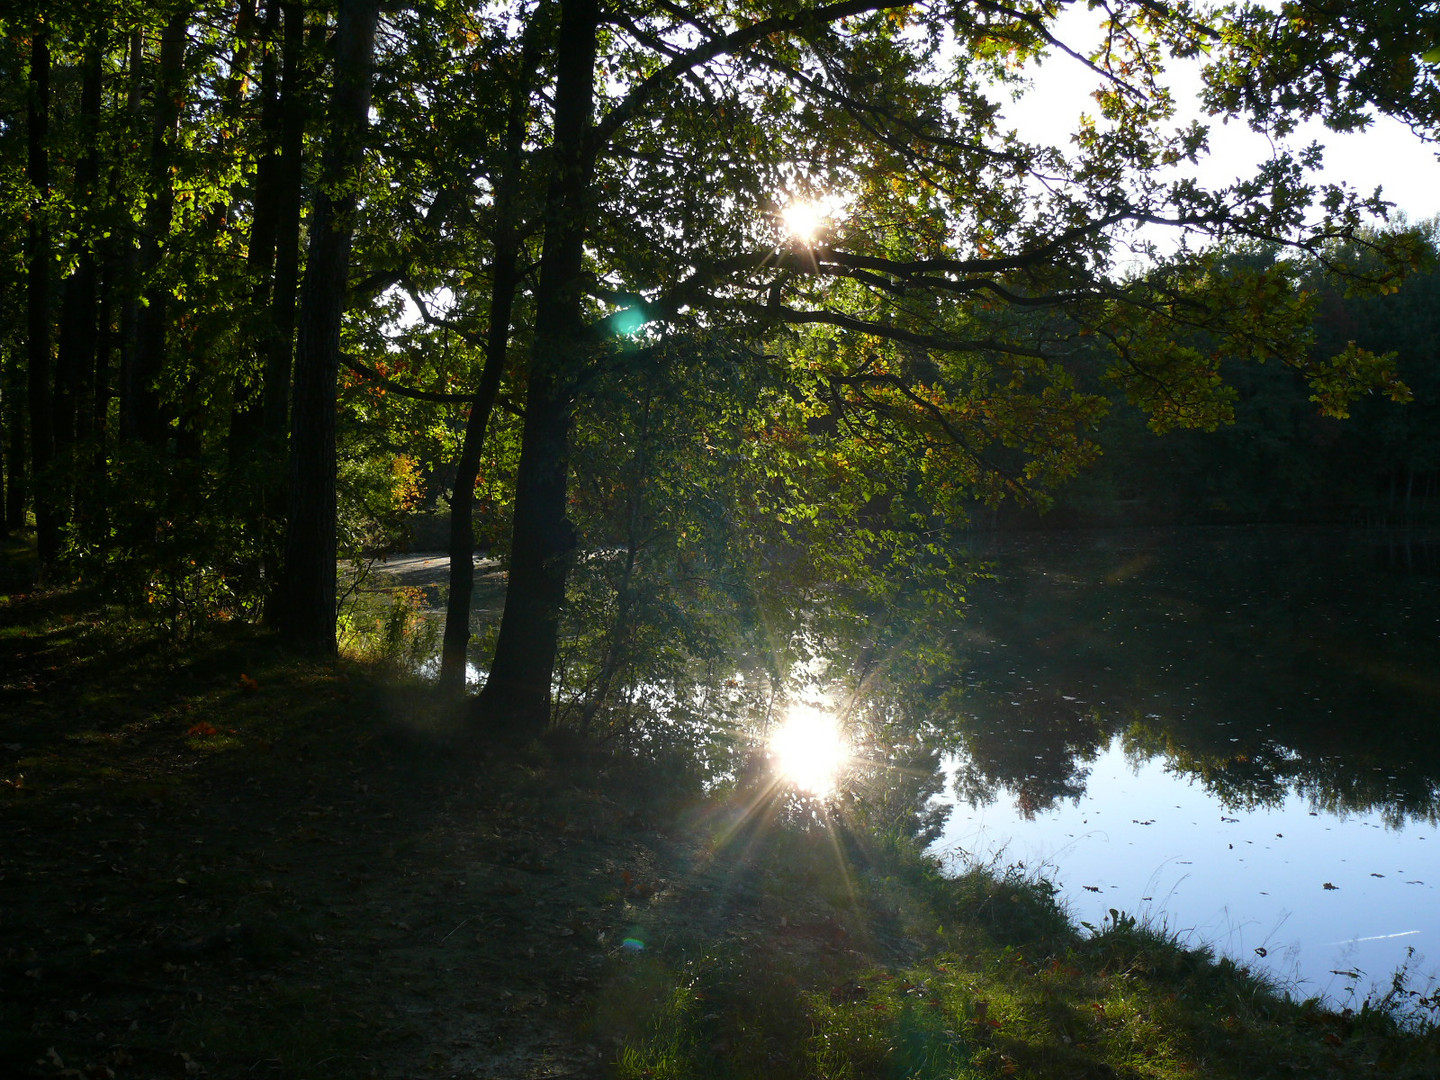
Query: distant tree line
point(1283, 460)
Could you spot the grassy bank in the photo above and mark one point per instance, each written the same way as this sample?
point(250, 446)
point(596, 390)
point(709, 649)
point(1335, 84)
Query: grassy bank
point(219, 860)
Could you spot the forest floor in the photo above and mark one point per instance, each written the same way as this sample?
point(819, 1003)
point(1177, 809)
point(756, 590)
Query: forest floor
point(218, 860)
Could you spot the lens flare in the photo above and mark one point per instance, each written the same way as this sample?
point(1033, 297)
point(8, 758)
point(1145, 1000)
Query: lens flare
point(809, 749)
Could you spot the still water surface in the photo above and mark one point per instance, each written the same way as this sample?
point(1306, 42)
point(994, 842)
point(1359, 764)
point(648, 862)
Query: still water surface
point(1232, 733)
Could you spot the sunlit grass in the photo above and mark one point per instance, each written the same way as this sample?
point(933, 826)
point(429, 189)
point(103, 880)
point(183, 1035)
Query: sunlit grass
point(884, 967)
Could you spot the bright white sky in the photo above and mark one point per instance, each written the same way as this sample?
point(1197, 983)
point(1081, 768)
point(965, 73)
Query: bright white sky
point(1388, 155)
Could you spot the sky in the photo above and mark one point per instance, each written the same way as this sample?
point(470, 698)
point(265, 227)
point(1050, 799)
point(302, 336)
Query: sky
point(1388, 155)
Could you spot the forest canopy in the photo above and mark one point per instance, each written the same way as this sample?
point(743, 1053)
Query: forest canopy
point(669, 301)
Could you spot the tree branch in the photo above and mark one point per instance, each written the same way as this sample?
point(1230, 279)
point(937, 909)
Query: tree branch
point(444, 397)
point(650, 89)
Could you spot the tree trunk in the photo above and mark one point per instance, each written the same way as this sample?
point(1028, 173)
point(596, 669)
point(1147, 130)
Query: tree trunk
point(462, 497)
point(505, 280)
point(246, 410)
point(5, 461)
point(516, 697)
point(38, 259)
point(92, 505)
point(151, 339)
point(125, 282)
point(306, 601)
point(79, 308)
point(289, 201)
point(15, 492)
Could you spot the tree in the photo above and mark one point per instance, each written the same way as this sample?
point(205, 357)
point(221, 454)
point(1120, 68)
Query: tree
point(505, 282)
point(1280, 64)
point(587, 209)
point(307, 584)
point(38, 260)
point(939, 315)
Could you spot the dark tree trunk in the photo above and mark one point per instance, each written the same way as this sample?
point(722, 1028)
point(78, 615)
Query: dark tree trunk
point(505, 280)
point(37, 266)
point(151, 339)
point(516, 697)
point(92, 500)
point(79, 308)
point(289, 180)
point(125, 282)
point(462, 498)
point(247, 410)
point(15, 492)
point(5, 469)
point(5, 460)
point(306, 601)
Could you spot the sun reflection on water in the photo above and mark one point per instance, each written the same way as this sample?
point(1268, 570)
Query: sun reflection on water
point(809, 749)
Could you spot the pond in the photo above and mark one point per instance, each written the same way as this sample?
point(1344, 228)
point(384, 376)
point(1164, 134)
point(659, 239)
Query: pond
point(1234, 734)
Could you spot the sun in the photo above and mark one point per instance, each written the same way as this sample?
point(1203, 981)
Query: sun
point(809, 749)
point(803, 220)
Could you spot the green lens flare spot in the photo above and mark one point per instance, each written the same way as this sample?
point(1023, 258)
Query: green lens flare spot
point(628, 321)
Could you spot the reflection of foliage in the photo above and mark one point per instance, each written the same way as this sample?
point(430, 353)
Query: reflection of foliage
point(1240, 781)
point(899, 774)
point(1250, 661)
point(1039, 753)
point(721, 512)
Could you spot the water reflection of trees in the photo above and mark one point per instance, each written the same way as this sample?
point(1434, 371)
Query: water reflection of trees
point(711, 662)
point(1261, 663)
point(1256, 663)
point(1040, 752)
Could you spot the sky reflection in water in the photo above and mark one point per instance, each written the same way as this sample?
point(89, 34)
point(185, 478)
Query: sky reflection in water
point(1230, 733)
point(1152, 843)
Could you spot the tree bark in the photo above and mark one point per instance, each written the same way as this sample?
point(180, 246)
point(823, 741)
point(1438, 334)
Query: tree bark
point(14, 415)
point(5, 461)
point(516, 698)
point(126, 254)
point(289, 202)
point(38, 259)
point(79, 308)
point(505, 280)
point(148, 422)
point(92, 500)
point(246, 411)
point(305, 604)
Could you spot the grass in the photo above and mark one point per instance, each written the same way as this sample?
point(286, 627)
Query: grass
point(221, 859)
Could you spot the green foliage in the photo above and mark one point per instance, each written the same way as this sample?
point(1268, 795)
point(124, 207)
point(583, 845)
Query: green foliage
point(183, 545)
point(387, 627)
point(1282, 63)
point(375, 497)
point(1280, 454)
point(754, 419)
point(668, 1052)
